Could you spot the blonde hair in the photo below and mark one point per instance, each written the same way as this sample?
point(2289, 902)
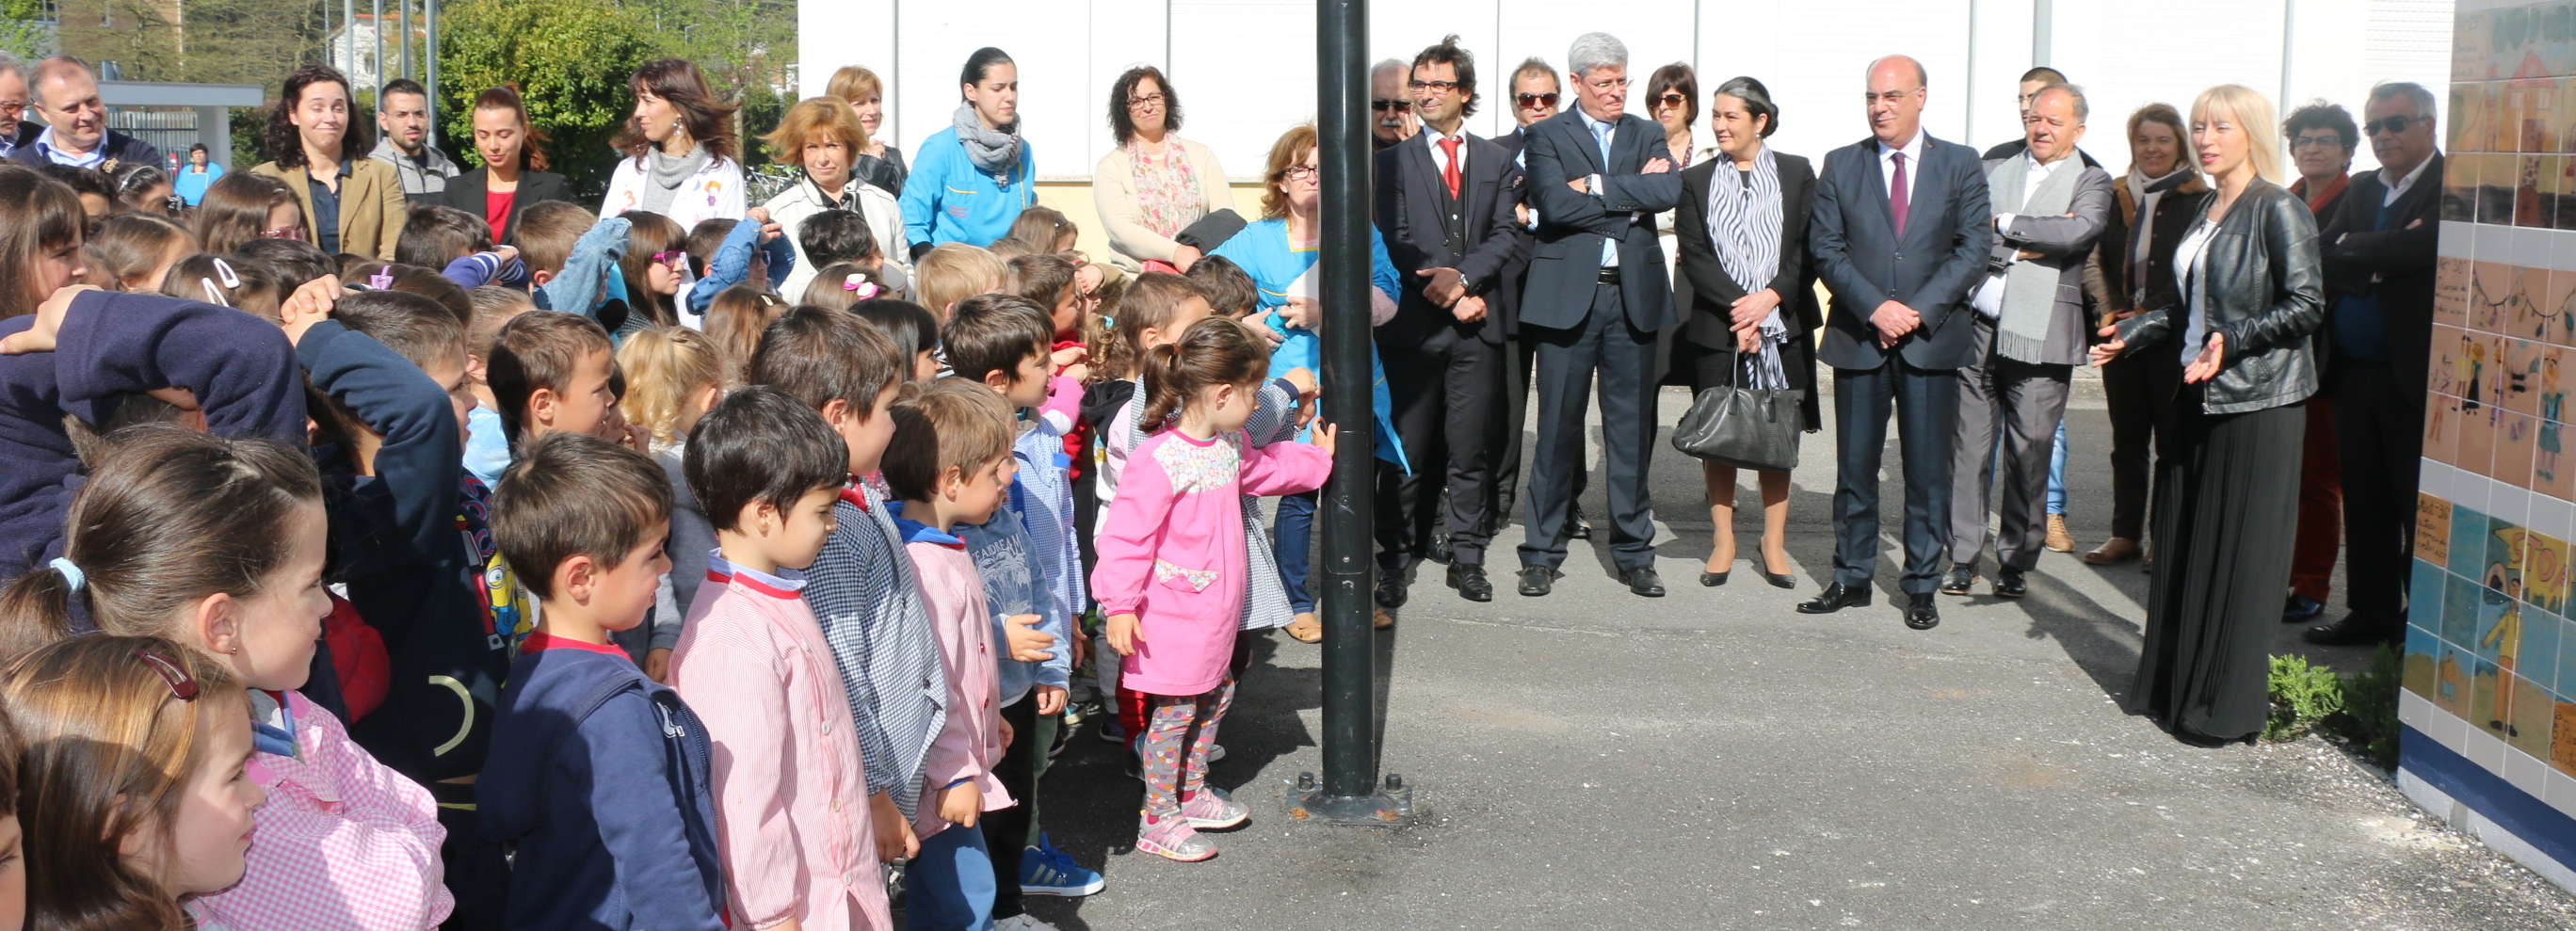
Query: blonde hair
point(664, 366)
point(816, 116)
point(1289, 152)
point(2254, 114)
point(852, 82)
point(954, 272)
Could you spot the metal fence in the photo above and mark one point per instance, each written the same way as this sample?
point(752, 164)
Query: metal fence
point(171, 131)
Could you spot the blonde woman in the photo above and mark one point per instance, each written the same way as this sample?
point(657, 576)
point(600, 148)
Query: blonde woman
point(877, 163)
point(2249, 293)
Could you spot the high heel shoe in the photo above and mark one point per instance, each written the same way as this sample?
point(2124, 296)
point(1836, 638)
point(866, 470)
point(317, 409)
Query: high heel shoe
point(1713, 579)
point(1762, 566)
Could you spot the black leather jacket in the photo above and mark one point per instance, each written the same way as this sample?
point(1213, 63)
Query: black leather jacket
point(2266, 294)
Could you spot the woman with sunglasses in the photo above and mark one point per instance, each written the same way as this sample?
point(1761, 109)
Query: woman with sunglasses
point(1155, 183)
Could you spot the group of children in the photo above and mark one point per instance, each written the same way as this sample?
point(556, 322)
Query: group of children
point(586, 581)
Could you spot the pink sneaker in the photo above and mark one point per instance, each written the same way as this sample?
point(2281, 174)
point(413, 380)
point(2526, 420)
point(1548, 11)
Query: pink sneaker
point(1212, 810)
point(1177, 840)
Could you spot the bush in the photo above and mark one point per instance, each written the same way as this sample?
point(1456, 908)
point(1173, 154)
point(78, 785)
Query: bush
point(570, 60)
point(2302, 696)
point(2369, 716)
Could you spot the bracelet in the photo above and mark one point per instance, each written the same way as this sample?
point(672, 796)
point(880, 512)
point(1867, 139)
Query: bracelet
point(959, 782)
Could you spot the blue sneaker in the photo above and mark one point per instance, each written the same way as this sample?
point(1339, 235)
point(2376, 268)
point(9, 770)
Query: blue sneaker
point(1045, 870)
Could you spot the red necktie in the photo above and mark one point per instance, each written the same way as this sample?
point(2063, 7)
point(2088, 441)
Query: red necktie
point(1450, 173)
point(1896, 195)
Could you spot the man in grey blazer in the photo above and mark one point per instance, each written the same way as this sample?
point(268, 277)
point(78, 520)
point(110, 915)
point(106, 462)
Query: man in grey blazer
point(2049, 207)
point(1899, 233)
point(1597, 295)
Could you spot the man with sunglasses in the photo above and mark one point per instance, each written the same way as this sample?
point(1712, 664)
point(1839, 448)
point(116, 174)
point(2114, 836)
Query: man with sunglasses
point(2379, 248)
point(1390, 107)
point(1535, 92)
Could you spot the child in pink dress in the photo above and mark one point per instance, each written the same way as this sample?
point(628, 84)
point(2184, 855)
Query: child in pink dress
point(1171, 574)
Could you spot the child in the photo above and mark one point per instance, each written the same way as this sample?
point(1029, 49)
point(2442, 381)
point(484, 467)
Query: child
point(573, 256)
point(674, 376)
point(1172, 565)
point(138, 250)
point(751, 251)
point(912, 329)
point(549, 372)
point(144, 740)
point(148, 554)
point(249, 287)
point(1030, 563)
point(861, 587)
point(487, 445)
point(837, 287)
point(459, 246)
point(950, 462)
point(1048, 282)
point(954, 272)
point(294, 261)
point(599, 775)
point(1045, 230)
point(788, 779)
point(736, 317)
point(831, 237)
point(1229, 290)
point(371, 275)
point(655, 268)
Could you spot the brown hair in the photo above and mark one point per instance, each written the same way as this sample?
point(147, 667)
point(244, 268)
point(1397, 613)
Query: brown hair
point(573, 494)
point(235, 210)
point(1149, 304)
point(1042, 228)
point(852, 82)
point(678, 81)
point(653, 233)
point(286, 142)
point(547, 232)
point(1229, 289)
point(161, 523)
point(1676, 77)
point(1042, 279)
point(818, 356)
point(954, 272)
point(1099, 332)
point(995, 333)
point(532, 150)
point(236, 283)
point(948, 424)
point(435, 235)
point(410, 279)
point(816, 116)
point(131, 245)
point(494, 305)
point(736, 317)
point(2161, 113)
point(414, 327)
point(1122, 127)
point(1213, 351)
point(832, 288)
point(1289, 152)
point(110, 748)
point(664, 366)
point(760, 446)
point(37, 214)
point(537, 349)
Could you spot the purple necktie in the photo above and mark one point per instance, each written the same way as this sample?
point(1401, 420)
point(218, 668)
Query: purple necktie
point(1896, 195)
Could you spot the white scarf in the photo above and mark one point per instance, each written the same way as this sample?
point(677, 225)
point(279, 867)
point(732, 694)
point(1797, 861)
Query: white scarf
point(1744, 224)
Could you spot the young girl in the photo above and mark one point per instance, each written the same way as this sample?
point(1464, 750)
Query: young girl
point(674, 375)
point(736, 318)
point(243, 207)
point(912, 329)
point(1172, 565)
point(840, 285)
point(139, 248)
point(133, 786)
point(655, 267)
point(152, 552)
point(246, 286)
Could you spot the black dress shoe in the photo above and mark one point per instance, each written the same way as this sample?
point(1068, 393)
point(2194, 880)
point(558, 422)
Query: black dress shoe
point(1391, 588)
point(1643, 580)
point(1537, 580)
point(1576, 528)
point(2010, 584)
point(1961, 580)
point(1470, 582)
point(2353, 630)
point(1924, 615)
point(1442, 551)
point(1714, 579)
point(1836, 597)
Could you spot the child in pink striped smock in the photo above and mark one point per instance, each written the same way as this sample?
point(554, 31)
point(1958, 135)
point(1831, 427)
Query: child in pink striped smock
point(1171, 574)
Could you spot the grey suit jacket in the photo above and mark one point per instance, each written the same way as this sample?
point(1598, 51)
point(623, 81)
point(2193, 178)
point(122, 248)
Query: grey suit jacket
point(1565, 265)
point(1930, 268)
point(2062, 242)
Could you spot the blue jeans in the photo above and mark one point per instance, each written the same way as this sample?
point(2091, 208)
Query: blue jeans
point(2057, 472)
point(949, 887)
point(1292, 531)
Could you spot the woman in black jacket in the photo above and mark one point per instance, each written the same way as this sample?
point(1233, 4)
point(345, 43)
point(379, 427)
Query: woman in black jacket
point(2249, 290)
point(511, 177)
point(1741, 229)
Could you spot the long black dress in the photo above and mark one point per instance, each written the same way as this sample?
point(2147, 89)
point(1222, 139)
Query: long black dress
point(2226, 519)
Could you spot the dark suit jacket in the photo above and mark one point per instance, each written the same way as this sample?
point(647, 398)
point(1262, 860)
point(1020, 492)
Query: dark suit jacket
point(2063, 243)
point(465, 192)
point(2400, 256)
point(1565, 265)
point(1709, 321)
point(1930, 268)
point(1409, 217)
point(1504, 304)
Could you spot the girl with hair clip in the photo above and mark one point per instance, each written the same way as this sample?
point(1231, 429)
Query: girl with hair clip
point(248, 287)
point(151, 552)
point(736, 318)
point(134, 783)
point(843, 285)
point(242, 207)
point(1171, 577)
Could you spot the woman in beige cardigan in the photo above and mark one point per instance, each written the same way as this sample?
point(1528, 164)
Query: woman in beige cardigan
point(1155, 184)
point(320, 150)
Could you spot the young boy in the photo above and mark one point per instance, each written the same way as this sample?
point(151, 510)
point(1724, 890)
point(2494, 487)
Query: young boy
point(950, 463)
point(572, 255)
point(736, 252)
point(551, 372)
point(954, 272)
point(861, 587)
point(834, 236)
point(487, 445)
point(1027, 556)
point(598, 774)
point(767, 472)
point(459, 245)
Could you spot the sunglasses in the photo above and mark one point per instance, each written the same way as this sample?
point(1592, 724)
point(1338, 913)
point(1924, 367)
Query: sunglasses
point(182, 687)
point(2394, 124)
point(283, 232)
point(1672, 100)
point(1535, 100)
point(1382, 105)
point(676, 260)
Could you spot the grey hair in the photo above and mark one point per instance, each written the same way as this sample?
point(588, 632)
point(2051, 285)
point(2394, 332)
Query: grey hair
point(1595, 50)
point(10, 64)
point(2075, 92)
point(1391, 64)
point(2410, 90)
point(1534, 65)
point(1921, 78)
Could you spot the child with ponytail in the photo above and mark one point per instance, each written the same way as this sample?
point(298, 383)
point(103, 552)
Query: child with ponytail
point(1172, 573)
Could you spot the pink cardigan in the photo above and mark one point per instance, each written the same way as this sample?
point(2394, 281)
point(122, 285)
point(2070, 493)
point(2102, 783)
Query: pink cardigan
point(1172, 549)
point(971, 742)
point(342, 842)
point(791, 801)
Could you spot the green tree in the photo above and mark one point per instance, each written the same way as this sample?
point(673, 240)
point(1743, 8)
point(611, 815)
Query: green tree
point(570, 60)
point(21, 33)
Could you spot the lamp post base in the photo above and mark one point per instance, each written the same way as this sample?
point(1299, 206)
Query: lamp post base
point(1391, 805)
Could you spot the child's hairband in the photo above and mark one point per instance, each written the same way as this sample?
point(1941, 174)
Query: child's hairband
point(864, 288)
point(224, 272)
point(383, 278)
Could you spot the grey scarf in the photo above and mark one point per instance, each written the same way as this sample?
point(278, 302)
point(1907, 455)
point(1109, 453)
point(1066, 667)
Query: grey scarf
point(664, 174)
point(2030, 287)
point(995, 152)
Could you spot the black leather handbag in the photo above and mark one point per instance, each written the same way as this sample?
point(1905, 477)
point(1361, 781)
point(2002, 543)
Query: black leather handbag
point(1749, 428)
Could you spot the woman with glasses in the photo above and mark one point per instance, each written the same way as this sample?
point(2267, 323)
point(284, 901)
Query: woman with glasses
point(2249, 295)
point(194, 176)
point(875, 162)
point(2322, 138)
point(1155, 183)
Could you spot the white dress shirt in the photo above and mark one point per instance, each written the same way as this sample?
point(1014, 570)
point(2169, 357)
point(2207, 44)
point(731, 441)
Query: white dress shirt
point(1440, 157)
point(1913, 150)
point(2399, 189)
point(1989, 299)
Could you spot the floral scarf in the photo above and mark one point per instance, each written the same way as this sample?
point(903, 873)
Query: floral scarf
point(1167, 192)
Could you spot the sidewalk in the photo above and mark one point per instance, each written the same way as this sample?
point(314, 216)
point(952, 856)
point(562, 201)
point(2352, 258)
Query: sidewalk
point(1713, 759)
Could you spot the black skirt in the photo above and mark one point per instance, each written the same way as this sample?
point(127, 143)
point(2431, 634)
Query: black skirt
point(2226, 520)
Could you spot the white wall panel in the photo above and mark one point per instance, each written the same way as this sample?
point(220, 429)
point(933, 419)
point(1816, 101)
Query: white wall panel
point(853, 32)
point(1656, 32)
point(2165, 51)
point(1055, 74)
point(1248, 69)
point(1825, 50)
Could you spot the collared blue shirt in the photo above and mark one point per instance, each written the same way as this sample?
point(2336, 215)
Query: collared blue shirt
point(326, 209)
point(1601, 136)
point(96, 156)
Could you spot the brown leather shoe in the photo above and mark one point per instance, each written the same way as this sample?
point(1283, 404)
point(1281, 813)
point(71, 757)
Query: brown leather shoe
point(1306, 629)
point(2115, 549)
point(1384, 619)
point(2058, 538)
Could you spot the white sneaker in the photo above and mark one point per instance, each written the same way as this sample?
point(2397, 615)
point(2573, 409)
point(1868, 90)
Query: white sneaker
point(1216, 752)
point(1022, 922)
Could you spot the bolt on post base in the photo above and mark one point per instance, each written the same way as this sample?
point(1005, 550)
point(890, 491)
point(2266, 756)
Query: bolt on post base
point(1391, 805)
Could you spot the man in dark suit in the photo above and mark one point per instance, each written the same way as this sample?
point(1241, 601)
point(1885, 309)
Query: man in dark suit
point(2379, 249)
point(1535, 92)
point(1444, 206)
point(1597, 295)
point(1900, 233)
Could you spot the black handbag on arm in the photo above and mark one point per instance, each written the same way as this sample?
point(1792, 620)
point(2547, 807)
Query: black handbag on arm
point(1749, 428)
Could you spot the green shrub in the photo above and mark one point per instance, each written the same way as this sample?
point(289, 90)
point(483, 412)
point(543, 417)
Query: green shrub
point(2369, 715)
point(2302, 696)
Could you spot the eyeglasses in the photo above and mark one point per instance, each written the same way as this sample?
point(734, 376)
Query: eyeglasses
point(1148, 100)
point(1609, 84)
point(1441, 86)
point(1671, 100)
point(2317, 142)
point(182, 687)
point(2394, 124)
point(1298, 173)
point(1535, 100)
point(13, 107)
point(1382, 105)
point(283, 232)
point(673, 259)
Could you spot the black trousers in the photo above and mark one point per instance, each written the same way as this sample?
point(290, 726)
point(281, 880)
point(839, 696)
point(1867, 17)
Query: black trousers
point(1511, 429)
point(1926, 405)
point(2140, 391)
point(1006, 832)
point(1622, 358)
point(1445, 392)
point(2379, 432)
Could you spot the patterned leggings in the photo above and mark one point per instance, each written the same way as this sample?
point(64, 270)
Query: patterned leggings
point(1179, 730)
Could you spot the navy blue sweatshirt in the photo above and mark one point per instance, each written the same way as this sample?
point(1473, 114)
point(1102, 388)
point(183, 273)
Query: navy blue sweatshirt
point(601, 776)
point(239, 367)
point(410, 574)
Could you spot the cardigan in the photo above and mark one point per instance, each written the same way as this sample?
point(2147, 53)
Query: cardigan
point(372, 208)
point(1131, 243)
point(714, 192)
